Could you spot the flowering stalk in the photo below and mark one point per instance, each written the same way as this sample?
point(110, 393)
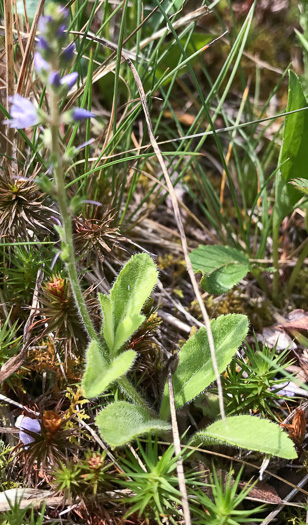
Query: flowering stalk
point(49, 59)
point(65, 211)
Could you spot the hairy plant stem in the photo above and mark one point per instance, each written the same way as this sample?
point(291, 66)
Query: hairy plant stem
point(132, 393)
point(67, 243)
point(67, 234)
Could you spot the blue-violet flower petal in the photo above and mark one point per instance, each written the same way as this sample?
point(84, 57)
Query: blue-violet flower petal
point(69, 80)
point(43, 21)
point(25, 424)
point(61, 31)
point(65, 14)
point(23, 112)
point(40, 63)
point(68, 52)
point(42, 44)
point(55, 79)
point(81, 114)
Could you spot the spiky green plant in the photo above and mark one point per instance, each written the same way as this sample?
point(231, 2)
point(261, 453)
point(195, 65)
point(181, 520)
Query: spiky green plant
point(6, 458)
point(10, 342)
point(223, 507)
point(20, 272)
point(155, 484)
point(83, 479)
point(68, 479)
point(253, 382)
point(18, 516)
point(50, 446)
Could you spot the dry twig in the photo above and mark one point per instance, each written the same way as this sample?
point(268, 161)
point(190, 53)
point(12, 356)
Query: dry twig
point(9, 64)
point(177, 444)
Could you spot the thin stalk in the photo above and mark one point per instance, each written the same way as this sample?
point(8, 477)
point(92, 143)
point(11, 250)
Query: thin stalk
point(67, 242)
point(67, 234)
point(177, 450)
point(132, 393)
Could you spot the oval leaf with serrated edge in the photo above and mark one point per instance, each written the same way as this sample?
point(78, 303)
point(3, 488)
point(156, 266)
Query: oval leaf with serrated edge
point(195, 370)
point(222, 267)
point(99, 374)
point(249, 432)
point(122, 422)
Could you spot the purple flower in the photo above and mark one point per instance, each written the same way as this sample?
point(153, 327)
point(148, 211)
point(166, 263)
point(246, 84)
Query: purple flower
point(55, 79)
point(89, 201)
point(81, 114)
point(40, 63)
point(68, 53)
point(26, 424)
point(65, 14)
point(69, 80)
point(43, 44)
point(23, 112)
point(61, 31)
point(43, 21)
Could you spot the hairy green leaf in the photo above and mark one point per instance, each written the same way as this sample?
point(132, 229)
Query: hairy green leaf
point(107, 324)
point(122, 422)
point(99, 374)
point(294, 151)
point(195, 370)
point(121, 310)
point(222, 267)
point(251, 433)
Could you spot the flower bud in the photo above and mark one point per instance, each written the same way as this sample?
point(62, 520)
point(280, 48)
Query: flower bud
point(42, 44)
point(54, 79)
point(76, 115)
point(69, 80)
point(67, 55)
point(53, 27)
point(61, 33)
point(79, 114)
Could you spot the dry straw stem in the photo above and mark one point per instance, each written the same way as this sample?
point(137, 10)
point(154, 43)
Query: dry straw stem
point(177, 449)
point(9, 65)
point(24, 70)
point(176, 210)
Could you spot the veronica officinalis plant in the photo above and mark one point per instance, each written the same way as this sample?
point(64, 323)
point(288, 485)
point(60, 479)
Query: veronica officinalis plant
point(122, 313)
point(108, 356)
